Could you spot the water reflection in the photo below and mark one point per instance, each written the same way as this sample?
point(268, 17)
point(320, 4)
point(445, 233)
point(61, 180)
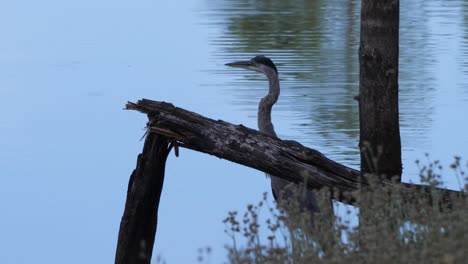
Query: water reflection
point(315, 46)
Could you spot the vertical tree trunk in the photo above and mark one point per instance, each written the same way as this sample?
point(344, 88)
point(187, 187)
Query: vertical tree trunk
point(378, 88)
point(379, 140)
point(139, 222)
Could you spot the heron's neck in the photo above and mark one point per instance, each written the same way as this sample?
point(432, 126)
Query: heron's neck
point(267, 102)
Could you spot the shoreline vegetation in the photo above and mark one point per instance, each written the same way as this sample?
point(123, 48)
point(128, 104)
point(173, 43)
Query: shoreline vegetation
point(424, 232)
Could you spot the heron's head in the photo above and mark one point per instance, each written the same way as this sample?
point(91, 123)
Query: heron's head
point(258, 63)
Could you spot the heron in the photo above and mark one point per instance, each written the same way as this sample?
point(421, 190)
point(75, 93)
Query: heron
point(280, 187)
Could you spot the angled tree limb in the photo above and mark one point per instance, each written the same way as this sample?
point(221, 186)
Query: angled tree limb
point(170, 127)
point(286, 159)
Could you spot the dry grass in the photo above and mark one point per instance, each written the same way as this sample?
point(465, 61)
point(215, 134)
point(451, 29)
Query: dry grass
point(390, 230)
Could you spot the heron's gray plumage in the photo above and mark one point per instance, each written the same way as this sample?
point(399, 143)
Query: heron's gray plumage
point(280, 187)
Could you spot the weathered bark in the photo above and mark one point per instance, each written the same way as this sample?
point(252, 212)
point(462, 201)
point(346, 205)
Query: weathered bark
point(286, 159)
point(378, 89)
point(139, 221)
point(379, 140)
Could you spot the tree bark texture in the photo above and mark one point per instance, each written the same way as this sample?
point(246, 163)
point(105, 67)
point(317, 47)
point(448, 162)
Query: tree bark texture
point(139, 221)
point(378, 89)
point(282, 158)
point(287, 159)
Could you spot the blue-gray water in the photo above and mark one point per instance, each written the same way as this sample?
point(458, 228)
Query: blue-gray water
point(67, 69)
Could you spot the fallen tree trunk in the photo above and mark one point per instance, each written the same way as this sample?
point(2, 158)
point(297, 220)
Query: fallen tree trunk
point(282, 158)
point(286, 159)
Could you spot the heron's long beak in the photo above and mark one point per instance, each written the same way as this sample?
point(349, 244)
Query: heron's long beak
point(249, 65)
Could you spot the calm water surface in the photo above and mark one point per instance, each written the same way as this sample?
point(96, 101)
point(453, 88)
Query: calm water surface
point(68, 67)
point(315, 43)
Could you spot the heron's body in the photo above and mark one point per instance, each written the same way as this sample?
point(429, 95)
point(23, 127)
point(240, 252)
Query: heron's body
point(265, 65)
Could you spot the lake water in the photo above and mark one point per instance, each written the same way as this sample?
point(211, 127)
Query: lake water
point(67, 69)
point(315, 46)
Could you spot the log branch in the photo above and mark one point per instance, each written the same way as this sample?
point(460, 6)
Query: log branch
point(287, 159)
point(282, 158)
